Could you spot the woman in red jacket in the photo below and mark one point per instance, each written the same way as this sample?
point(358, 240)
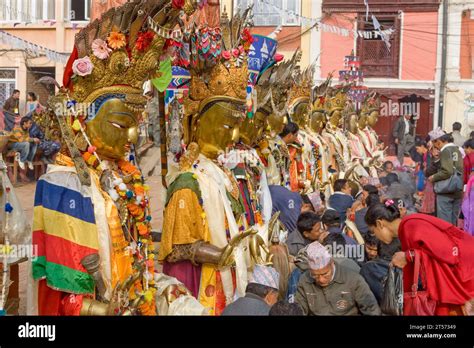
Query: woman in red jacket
point(446, 253)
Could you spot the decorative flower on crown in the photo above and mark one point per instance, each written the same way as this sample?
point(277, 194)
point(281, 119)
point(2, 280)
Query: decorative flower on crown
point(100, 49)
point(116, 40)
point(144, 41)
point(247, 38)
point(82, 66)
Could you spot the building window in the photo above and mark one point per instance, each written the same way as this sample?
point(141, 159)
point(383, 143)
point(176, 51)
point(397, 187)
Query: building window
point(26, 11)
point(268, 15)
point(79, 10)
point(377, 59)
point(7, 84)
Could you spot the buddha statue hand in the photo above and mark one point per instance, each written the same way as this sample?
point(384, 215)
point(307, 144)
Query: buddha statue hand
point(174, 291)
point(256, 245)
point(202, 252)
point(118, 304)
point(92, 264)
point(227, 258)
point(198, 253)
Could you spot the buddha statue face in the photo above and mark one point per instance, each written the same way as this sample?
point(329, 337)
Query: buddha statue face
point(317, 121)
point(300, 113)
point(352, 123)
point(373, 118)
point(362, 122)
point(335, 118)
point(277, 123)
point(113, 129)
point(217, 128)
point(251, 129)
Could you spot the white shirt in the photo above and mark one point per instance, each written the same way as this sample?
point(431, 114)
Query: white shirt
point(407, 126)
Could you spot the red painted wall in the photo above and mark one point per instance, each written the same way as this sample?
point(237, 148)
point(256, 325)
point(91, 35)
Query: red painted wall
point(467, 46)
point(335, 47)
point(419, 46)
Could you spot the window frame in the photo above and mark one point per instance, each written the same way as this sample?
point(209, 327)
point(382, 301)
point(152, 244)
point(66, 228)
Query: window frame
point(87, 12)
point(373, 70)
point(284, 23)
point(9, 80)
point(34, 16)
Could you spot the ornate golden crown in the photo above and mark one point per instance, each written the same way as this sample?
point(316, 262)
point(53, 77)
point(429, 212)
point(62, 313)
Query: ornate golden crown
point(301, 89)
point(371, 103)
point(335, 102)
point(117, 53)
point(318, 105)
point(228, 76)
point(221, 81)
point(318, 95)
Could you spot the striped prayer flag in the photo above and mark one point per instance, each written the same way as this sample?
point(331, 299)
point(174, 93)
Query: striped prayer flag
point(64, 231)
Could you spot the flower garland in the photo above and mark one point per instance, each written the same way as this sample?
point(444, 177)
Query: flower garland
point(135, 195)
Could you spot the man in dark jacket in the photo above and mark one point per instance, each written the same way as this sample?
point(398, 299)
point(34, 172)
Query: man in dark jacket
point(341, 200)
point(261, 294)
point(448, 205)
point(12, 104)
point(330, 289)
point(404, 137)
point(11, 109)
point(309, 229)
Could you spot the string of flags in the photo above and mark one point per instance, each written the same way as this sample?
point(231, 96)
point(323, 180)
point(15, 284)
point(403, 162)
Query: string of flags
point(32, 48)
point(309, 22)
point(176, 34)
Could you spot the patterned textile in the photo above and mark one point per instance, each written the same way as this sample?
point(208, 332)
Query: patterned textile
point(64, 231)
point(318, 256)
point(267, 276)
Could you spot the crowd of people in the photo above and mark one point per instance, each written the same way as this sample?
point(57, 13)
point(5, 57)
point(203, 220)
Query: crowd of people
point(27, 139)
point(335, 275)
point(280, 197)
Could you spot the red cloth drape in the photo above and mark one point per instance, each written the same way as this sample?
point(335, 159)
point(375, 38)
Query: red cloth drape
point(49, 300)
point(68, 69)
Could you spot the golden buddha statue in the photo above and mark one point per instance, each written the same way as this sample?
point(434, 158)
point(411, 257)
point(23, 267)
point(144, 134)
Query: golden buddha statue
point(353, 122)
point(340, 153)
point(203, 242)
point(92, 214)
point(370, 113)
point(356, 168)
point(302, 165)
point(272, 149)
point(318, 147)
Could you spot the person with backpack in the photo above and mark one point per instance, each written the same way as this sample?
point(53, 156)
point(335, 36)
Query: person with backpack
point(448, 180)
